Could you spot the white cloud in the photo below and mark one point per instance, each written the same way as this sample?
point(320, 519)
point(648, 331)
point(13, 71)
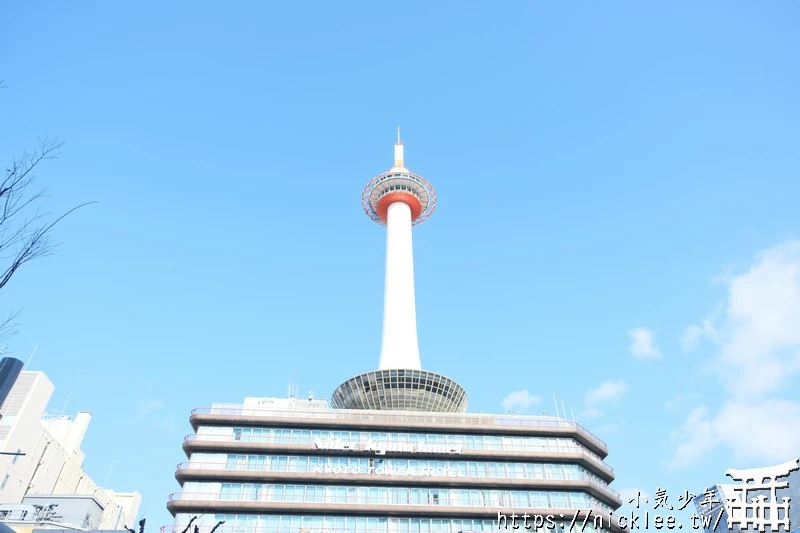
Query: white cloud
point(519, 401)
point(607, 391)
point(761, 333)
point(643, 344)
point(694, 439)
point(758, 341)
point(763, 431)
point(760, 432)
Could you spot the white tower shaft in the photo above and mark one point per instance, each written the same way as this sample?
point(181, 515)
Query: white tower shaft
point(400, 347)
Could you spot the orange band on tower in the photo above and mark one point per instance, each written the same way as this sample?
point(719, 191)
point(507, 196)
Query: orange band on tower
point(409, 199)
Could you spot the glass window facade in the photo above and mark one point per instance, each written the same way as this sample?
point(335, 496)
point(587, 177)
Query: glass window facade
point(238, 523)
point(394, 466)
point(467, 442)
point(382, 495)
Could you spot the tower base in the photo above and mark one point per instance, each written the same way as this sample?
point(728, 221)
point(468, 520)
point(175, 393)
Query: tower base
point(401, 390)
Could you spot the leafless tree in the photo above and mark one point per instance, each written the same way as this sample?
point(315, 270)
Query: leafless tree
point(24, 229)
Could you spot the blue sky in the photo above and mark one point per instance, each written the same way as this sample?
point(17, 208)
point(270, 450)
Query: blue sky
point(617, 215)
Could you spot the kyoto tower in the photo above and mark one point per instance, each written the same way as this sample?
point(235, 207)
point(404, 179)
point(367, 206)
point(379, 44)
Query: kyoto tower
point(399, 200)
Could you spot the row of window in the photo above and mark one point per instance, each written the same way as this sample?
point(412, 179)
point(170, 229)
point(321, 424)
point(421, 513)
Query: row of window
point(268, 492)
point(401, 187)
point(394, 466)
point(471, 442)
point(348, 524)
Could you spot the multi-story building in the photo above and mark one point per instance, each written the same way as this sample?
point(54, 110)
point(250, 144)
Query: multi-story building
point(394, 450)
point(719, 503)
point(293, 465)
point(42, 456)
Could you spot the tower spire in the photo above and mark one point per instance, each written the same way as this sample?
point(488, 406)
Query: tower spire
point(398, 153)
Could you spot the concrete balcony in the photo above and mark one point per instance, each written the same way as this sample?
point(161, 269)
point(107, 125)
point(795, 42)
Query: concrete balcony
point(216, 472)
point(463, 423)
point(226, 444)
point(210, 503)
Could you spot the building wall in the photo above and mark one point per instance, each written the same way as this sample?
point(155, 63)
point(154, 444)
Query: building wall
point(21, 429)
point(77, 511)
point(303, 470)
point(53, 460)
point(23, 528)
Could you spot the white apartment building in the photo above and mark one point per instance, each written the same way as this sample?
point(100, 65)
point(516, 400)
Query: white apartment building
point(53, 460)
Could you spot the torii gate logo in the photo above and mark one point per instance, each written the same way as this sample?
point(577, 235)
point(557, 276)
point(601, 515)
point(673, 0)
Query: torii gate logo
point(756, 512)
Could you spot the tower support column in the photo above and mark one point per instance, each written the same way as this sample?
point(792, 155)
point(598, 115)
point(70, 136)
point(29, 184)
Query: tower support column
point(399, 200)
point(399, 346)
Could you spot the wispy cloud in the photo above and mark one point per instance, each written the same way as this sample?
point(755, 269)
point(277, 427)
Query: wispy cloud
point(520, 401)
point(694, 439)
point(769, 434)
point(611, 427)
point(680, 399)
point(169, 425)
point(758, 342)
point(642, 345)
point(606, 392)
point(693, 334)
point(691, 337)
point(148, 403)
point(590, 412)
point(148, 407)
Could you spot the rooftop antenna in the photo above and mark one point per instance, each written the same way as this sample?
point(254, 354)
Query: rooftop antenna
point(105, 482)
point(555, 403)
point(398, 135)
point(563, 410)
point(291, 389)
point(573, 413)
point(65, 404)
point(31, 357)
point(146, 504)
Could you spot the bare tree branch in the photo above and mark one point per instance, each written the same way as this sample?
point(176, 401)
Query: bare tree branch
point(190, 524)
point(24, 229)
point(8, 328)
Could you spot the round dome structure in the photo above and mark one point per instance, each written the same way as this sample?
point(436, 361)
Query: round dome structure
point(401, 390)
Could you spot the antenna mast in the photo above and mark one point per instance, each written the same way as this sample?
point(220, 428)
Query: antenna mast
point(31, 357)
point(293, 388)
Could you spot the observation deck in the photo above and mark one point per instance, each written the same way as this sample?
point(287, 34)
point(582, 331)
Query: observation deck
point(401, 390)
